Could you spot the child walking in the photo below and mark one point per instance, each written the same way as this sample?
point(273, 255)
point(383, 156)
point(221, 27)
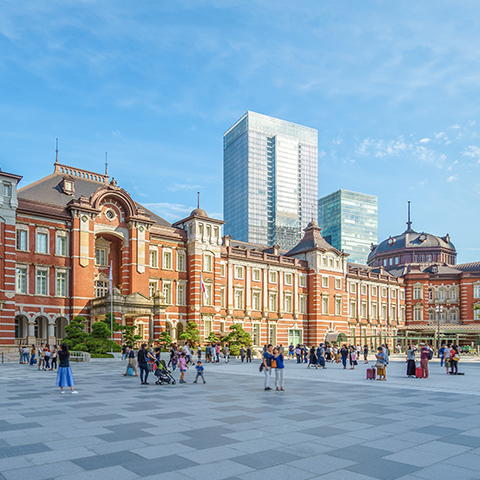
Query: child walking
point(183, 367)
point(200, 371)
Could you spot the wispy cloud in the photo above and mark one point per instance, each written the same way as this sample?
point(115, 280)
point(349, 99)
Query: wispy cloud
point(472, 152)
point(425, 140)
point(182, 186)
point(169, 211)
point(453, 178)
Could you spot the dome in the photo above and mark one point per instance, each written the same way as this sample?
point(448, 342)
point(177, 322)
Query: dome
point(414, 240)
point(199, 212)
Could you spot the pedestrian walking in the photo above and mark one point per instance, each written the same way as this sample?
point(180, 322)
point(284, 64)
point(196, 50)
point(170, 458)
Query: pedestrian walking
point(199, 353)
point(200, 371)
point(242, 353)
point(267, 365)
point(183, 367)
point(298, 354)
point(47, 354)
point(353, 357)
point(53, 358)
point(26, 358)
point(321, 356)
point(291, 351)
point(20, 354)
point(41, 357)
point(33, 353)
point(365, 353)
point(279, 369)
point(344, 355)
point(143, 356)
point(130, 353)
point(64, 375)
point(124, 352)
point(424, 354)
point(249, 354)
point(226, 353)
point(158, 351)
point(441, 354)
point(448, 351)
point(312, 357)
point(381, 364)
point(454, 359)
point(411, 366)
point(218, 352)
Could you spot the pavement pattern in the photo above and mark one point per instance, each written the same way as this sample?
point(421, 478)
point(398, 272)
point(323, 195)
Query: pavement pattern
point(329, 424)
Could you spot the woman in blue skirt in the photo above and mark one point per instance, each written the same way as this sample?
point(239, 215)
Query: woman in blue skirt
point(64, 375)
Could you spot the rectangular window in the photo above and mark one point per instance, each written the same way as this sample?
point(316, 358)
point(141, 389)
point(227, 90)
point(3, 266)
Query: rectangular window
point(207, 324)
point(41, 282)
point(394, 312)
point(167, 260)
point(222, 269)
point(325, 305)
point(21, 280)
point(476, 291)
point(256, 274)
point(207, 263)
point(22, 240)
point(238, 297)
point(256, 301)
point(167, 293)
point(364, 310)
point(338, 283)
point(100, 256)
point(325, 281)
point(330, 262)
point(288, 303)
point(303, 304)
point(180, 294)
point(256, 334)
point(453, 294)
point(181, 267)
point(208, 295)
point(374, 291)
point(476, 314)
point(288, 279)
point(338, 306)
point(384, 292)
point(61, 247)
point(153, 258)
point(353, 288)
point(7, 190)
point(238, 273)
point(417, 314)
point(337, 263)
point(222, 297)
point(152, 287)
point(101, 288)
point(61, 284)
point(272, 334)
point(402, 294)
point(272, 302)
point(397, 260)
point(272, 277)
point(374, 310)
point(417, 292)
point(303, 280)
point(364, 289)
point(393, 293)
point(324, 261)
point(42, 243)
point(441, 294)
point(353, 309)
point(384, 312)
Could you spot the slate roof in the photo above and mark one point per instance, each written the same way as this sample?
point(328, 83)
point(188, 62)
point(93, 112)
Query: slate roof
point(469, 267)
point(312, 240)
point(48, 191)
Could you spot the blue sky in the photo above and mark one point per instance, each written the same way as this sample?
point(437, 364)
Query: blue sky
point(392, 87)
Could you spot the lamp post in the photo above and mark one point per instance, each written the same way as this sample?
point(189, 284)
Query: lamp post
point(439, 311)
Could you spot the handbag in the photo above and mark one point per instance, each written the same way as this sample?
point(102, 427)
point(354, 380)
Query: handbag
point(456, 358)
point(380, 365)
point(273, 364)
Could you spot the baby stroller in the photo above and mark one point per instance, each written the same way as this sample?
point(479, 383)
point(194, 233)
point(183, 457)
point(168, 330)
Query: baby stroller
point(163, 374)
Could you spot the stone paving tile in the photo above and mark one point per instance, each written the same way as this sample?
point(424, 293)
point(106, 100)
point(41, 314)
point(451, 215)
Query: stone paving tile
point(215, 471)
point(414, 456)
point(359, 453)
point(391, 444)
point(279, 472)
point(466, 460)
point(320, 464)
point(111, 473)
point(437, 430)
point(210, 454)
point(446, 471)
point(346, 475)
point(383, 469)
point(265, 459)
point(20, 450)
point(42, 472)
point(159, 465)
point(466, 440)
point(108, 460)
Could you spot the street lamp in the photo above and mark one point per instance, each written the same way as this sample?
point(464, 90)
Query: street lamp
point(439, 310)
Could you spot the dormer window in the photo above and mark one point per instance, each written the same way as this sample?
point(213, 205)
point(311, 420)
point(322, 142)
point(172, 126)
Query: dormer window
point(68, 186)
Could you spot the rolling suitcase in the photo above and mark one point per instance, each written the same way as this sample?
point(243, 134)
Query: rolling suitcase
point(418, 372)
point(371, 373)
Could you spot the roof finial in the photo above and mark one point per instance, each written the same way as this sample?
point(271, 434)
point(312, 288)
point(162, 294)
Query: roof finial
point(106, 164)
point(198, 199)
point(409, 223)
point(56, 151)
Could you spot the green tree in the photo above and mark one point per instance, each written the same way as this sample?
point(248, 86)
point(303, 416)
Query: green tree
point(75, 331)
point(99, 341)
point(236, 338)
point(191, 334)
point(129, 335)
point(165, 338)
point(212, 338)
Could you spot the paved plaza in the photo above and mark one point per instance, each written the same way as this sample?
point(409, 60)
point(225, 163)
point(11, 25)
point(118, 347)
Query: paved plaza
point(328, 424)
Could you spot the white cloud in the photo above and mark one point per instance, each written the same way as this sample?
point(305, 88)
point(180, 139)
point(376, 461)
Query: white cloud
point(425, 140)
point(472, 123)
point(182, 186)
point(116, 133)
point(472, 152)
point(390, 147)
point(452, 178)
point(362, 149)
point(454, 127)
point(169, 211)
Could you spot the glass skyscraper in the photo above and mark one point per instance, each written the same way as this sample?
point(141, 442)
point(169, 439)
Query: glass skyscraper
point(270, 180)
point(349, 221)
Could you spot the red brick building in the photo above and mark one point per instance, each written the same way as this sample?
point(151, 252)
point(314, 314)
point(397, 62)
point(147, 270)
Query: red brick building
point(60, 235)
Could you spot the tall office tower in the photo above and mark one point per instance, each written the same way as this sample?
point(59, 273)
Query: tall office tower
point(350, 222)
point(270, 180)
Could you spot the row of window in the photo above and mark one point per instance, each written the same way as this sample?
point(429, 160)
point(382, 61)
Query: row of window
point(374, 291)
point(374, 311)
point(42, 281)
point(442, 293)
point(273, 306)
point(42, 243)
point(167, 260)
point(257, 275)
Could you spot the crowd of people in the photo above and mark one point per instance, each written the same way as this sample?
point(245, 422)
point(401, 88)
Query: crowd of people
point(43, 356)
point(449, 355)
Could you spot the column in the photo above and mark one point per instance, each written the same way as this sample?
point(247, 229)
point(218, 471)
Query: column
point(230, 288)
point(51, 333)
point(31, 333)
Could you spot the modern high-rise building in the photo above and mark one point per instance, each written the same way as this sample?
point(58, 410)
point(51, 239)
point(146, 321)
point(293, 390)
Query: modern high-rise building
point(270, 180)
point(350, 222)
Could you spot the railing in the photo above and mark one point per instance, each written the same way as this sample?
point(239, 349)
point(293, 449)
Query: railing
point(79, 357)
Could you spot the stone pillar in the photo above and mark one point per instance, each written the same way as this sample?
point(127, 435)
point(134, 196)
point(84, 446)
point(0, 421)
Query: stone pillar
point(151, 334)
point(51, 334)
point(31, 333)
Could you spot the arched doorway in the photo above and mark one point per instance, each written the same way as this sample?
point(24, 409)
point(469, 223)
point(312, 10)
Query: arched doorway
point(342, 338)
point(41, 329)
point(59, 328)
point(21, 327)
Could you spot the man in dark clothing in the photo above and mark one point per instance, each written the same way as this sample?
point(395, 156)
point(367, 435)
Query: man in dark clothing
point(143, 357)
point(242, 353)
point(344, 355)
point(249, 354)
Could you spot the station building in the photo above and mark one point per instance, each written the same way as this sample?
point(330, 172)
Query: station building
point(61, 235)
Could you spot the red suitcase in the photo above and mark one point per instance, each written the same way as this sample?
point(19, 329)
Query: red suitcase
point(371, 373)
point(418, 372)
